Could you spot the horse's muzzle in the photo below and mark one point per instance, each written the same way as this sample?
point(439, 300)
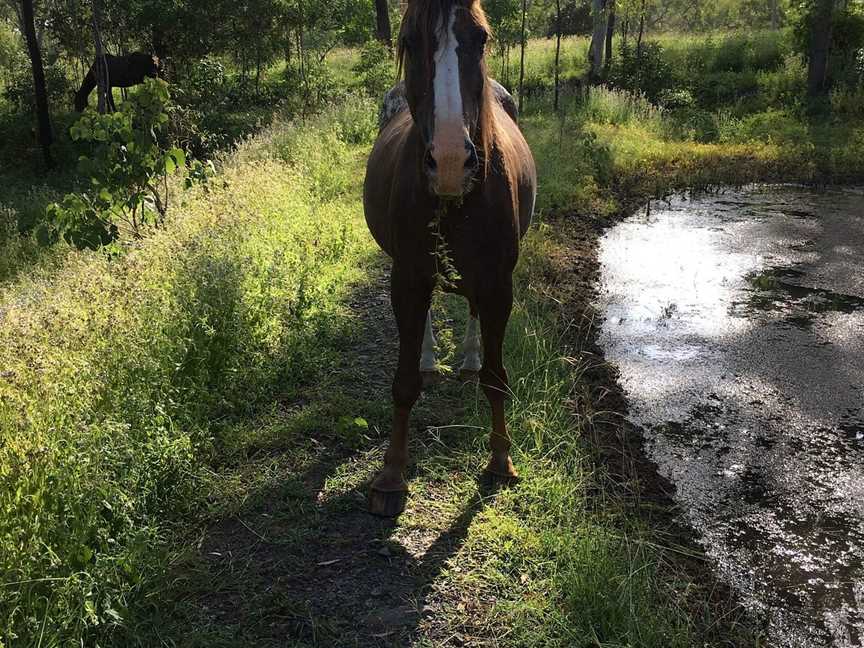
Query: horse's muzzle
point(451, 172)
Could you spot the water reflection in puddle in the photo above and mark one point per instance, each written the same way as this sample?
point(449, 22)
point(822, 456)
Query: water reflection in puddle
point(737, 322)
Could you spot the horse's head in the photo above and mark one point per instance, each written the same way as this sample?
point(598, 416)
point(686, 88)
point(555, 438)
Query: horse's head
point(441, 50)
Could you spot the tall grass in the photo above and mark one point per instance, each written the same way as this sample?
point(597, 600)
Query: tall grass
point(559, 572)
point(111, 372)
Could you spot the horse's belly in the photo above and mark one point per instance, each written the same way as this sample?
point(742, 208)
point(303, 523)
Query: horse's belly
point(384, 170)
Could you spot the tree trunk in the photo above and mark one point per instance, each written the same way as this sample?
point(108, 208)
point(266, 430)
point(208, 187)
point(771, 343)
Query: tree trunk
point(557, 52)
point(523, 43)
point(775, 14)
point(610, 34)
point(382, 23)
point(101, 67)
point(595, 54)
point(46, 137)
point(641, 34)
point(821, 23)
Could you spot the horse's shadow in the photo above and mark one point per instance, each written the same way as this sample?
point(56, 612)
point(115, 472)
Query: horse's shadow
point(291, 568)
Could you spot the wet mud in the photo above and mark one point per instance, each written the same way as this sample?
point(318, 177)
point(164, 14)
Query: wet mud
point(736, 322)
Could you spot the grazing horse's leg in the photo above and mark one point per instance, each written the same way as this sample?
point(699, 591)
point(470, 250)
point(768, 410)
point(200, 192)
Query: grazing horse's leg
point(472, 346)
point(494, 313)
point(411, 301)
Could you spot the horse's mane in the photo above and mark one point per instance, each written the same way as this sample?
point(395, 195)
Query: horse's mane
point(424, 17)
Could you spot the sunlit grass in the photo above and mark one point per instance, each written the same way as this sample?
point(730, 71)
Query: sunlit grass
point(111, 372)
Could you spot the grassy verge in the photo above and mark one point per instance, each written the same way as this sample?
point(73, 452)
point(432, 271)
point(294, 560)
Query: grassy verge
point(610, 149)
point(112, 372)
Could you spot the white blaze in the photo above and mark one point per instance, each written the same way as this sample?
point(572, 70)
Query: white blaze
point(448, 142)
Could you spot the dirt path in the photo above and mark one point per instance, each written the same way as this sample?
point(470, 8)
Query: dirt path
point(299, 561)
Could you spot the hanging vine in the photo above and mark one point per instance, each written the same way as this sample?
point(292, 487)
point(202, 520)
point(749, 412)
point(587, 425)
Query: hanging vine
point(446, 275)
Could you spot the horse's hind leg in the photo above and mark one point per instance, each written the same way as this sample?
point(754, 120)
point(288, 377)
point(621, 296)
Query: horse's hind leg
point(494, 313)
point(411, 300)
point(428, 360)
point(472, 347)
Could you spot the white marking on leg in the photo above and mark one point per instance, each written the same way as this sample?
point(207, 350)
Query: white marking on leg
point(472, 347)
point(448, 141)
point(428, 361)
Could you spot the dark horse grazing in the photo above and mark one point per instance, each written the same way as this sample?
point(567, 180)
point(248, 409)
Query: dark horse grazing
point(455, 151)
point(123, 72)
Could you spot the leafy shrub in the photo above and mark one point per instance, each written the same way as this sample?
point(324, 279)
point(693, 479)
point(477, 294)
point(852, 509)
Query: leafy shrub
point(205, 84)
point(773, 127)
point(848, 102)
point(646, 71)
point(724, 88)
point(847, 52)
point(126, 167)
point(356, 119)
point(677, 99)
point(375, 69)
point(690, 124)
point(19, 88)
point(787, 86)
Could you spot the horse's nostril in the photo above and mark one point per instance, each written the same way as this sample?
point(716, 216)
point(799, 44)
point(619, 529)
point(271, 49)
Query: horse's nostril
point(429, 161)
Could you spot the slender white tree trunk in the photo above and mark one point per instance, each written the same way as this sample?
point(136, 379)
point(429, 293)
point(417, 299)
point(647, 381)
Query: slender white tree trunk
point(598, 38)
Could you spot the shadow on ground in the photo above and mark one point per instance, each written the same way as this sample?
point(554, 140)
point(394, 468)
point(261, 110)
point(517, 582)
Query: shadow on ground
point(299, 561)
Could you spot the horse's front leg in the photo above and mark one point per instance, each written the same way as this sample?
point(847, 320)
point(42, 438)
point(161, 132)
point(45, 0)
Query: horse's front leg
point(495, 308)
point(411, 299)
point(471, 347)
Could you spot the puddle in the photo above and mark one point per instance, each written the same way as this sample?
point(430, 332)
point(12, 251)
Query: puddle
point(737, 323)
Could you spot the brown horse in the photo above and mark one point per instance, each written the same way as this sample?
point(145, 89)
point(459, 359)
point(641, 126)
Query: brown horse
point(123, 72)
point(454, 157)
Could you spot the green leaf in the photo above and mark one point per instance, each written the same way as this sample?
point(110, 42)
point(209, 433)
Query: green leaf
point(179, 156)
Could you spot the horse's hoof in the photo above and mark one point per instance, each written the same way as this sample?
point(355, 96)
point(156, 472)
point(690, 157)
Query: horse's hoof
point(430, 378)
point(492, 482)
point(387, 504)
point(500, 473)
